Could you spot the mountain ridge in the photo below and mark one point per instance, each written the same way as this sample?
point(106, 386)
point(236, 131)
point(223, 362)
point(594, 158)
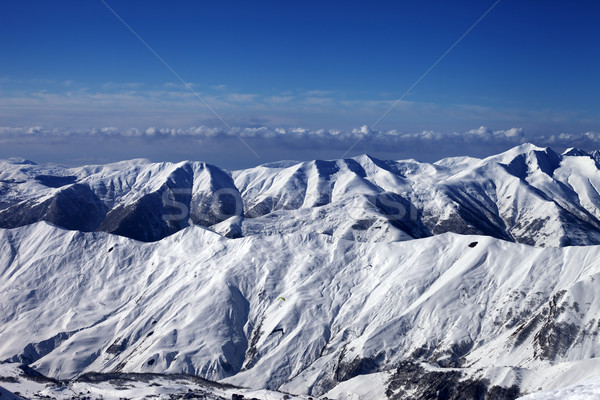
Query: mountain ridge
point(527, 194)
point(202, 304)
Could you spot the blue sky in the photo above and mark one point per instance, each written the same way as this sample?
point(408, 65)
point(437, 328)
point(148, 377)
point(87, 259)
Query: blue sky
point(71, 67)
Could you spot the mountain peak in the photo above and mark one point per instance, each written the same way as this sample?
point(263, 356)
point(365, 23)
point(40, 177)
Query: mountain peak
point(575, 152)
point(19, 161)
point(366, 158)
point(524, 148)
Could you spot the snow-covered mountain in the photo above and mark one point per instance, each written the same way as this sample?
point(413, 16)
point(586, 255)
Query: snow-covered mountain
point(355, 278)
point(527, 195)
point(303, 313)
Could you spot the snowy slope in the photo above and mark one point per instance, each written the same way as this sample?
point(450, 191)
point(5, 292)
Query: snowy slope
point(465, 308)
point(581, 391)
point(528, 195)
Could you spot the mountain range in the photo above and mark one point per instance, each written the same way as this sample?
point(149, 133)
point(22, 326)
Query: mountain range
point(526, 195)
point(356, 278)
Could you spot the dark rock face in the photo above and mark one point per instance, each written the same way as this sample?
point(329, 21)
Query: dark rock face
point(555, 339)
point(412, 382)
point(358, 366)
point(117, 347)
point(262, 208)
point(76, 207)
point(155, 215)
point(223, 201)
point(475, 214)
point(34, 351)
point(401, 213)
point(355, 167)
point(526, 329)
point(142, 220)
point(251, 357)
point(552, 338)
point(55, 181)
point(325, 170)
point(35, 376)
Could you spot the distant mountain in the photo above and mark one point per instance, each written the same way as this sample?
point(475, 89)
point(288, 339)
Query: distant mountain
point(527, 195)
point(136, 199)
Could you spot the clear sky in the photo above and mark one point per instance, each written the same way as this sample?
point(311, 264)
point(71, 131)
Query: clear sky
point(296, 80)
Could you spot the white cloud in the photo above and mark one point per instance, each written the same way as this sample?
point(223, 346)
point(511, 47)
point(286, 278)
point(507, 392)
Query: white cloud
point(34, 130)
point(362, 130)
point(171, 104)
point(221, 146)
point(241, 97)
point(511, 133)
point(481, 131)
point(479, 135)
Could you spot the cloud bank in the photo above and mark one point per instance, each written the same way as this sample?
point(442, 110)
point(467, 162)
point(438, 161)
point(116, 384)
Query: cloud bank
point(126, 104)
point(225, 148)
point(71, 123)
